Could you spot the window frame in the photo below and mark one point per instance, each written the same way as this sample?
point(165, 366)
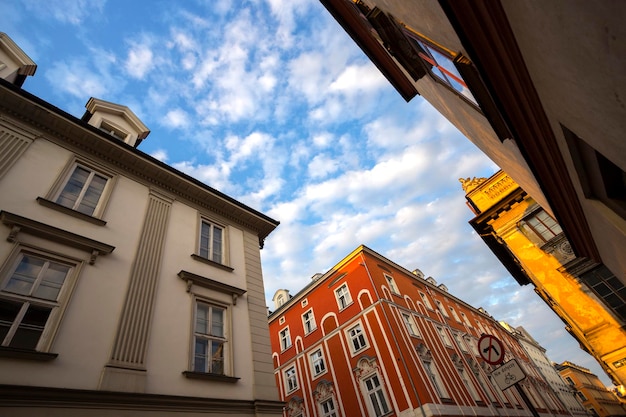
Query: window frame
point(360, 336)
point(435, 378)
point(319, 359)
point(332, 411)
point(57, 307)
point(392, 284)
point(549, 223)
point(58, 187)
point(455, 314)
point(312, 325)
point(443, 335)
point(450, 74)
point(377, 392)
point(225, 338)
point(291, 379)
point(346, 297)
point(426, 301)
point(212, 224)
point(442, 308)
point(285, 340)
point(410, 324)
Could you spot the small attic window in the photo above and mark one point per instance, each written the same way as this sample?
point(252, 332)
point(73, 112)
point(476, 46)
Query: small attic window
point(113, 131)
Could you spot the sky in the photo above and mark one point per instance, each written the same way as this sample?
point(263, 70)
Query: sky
point(271, 103)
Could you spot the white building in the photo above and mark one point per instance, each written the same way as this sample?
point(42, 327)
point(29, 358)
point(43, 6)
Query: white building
point(537, 355)
point(121, 279)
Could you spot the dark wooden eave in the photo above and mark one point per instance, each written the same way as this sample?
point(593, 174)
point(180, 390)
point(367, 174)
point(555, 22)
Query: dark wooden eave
point(485, 33)
point(352, 22)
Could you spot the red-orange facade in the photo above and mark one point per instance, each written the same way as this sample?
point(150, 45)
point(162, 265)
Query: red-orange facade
point(370, 338)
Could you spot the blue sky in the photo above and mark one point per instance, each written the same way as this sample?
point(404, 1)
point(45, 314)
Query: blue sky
point(270, 102)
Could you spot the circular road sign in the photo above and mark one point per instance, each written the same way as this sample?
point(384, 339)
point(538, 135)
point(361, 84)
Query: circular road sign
point(491, 349)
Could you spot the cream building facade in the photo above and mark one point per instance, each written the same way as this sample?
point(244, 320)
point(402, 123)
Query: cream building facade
point(126, 287)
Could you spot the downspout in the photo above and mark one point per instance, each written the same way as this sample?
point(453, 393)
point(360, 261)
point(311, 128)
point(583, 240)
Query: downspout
point(393, 335)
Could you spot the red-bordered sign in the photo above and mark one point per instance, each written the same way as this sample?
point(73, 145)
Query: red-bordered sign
point(491, 349)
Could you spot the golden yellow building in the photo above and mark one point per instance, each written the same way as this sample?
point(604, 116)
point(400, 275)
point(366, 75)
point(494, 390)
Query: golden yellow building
point(534, 249)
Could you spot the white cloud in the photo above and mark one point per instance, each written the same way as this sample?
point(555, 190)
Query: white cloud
point(176, 118)
point(140, 60)
point(160, 154)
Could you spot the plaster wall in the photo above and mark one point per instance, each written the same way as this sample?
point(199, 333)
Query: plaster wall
point(575, 52)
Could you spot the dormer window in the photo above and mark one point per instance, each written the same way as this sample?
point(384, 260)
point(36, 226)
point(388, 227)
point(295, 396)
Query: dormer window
point(113, 131)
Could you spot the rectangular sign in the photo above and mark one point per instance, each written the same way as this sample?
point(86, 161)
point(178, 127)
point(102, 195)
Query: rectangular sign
point(508, 374)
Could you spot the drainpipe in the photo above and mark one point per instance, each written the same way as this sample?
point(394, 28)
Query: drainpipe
point(393, 336)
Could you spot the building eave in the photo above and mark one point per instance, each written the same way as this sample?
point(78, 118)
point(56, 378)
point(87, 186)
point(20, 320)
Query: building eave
point(350, 20)
point(74, 133)
point(485, 33)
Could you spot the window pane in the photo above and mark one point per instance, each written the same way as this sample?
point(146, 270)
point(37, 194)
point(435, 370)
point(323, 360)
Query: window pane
point(52, 281)
point(92, 195)
point(217, 324)
point(8, 313)
point(73, 188)
point(200, 355)
point(25, 275)
point(205, 232)
point(202, 319)
point(217, 244)
point(31, 328)
point(217, 357)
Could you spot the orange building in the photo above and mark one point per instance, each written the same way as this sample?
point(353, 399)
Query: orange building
point(371, 338)
point(534, 249)
point(598, 400)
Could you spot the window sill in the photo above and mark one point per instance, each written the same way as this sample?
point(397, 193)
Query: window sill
point(212, 263)
point(210, 377)
point(27, 354)
point(54, 206)
point(346, 306)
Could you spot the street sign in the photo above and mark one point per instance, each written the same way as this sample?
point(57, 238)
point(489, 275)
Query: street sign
point(491, 349)
point(508, 374)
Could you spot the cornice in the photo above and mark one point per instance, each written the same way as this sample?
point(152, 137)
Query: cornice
point(75, 134)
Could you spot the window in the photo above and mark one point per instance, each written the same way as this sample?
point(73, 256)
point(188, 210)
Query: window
point(82, 190)
point(317, 362)
point(291, 380)
point(608, 288)
point(433, 375)
point(376, 396)
point(343, 296)
point(473, 344)
point(439, 62)
point(543, 225)
point(468, 384)
point(409, 322)
point(357, 338)
point(441, 308)
point(466, 320)
point(31, 297)
point(600, 178)
point(113, 131)
point(459, 342)
point(455, 315)
point(327, 408)
point(569, 380)
point(426, 301)
point(211, 242)
point(209, 339)
point(308, 320)
point(392, 284)
point(444, 336)
point(285, 339)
